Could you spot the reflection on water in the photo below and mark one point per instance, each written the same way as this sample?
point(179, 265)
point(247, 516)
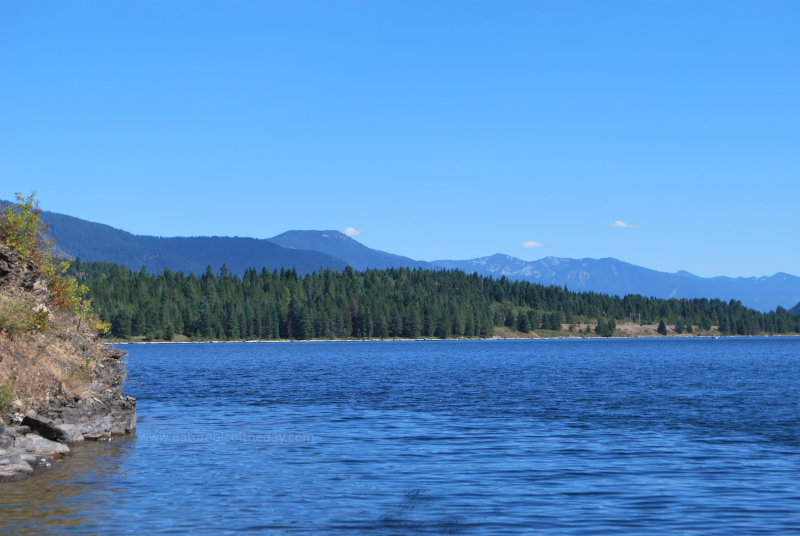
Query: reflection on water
point(79, 491)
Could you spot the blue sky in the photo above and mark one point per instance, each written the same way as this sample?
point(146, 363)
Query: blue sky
point(438, 130)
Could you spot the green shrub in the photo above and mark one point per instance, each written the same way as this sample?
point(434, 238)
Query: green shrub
point(24, 232)
point(22, 316)
point(7, 396)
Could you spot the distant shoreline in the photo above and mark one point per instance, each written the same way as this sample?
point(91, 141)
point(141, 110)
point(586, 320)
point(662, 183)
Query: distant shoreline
point(436, 339)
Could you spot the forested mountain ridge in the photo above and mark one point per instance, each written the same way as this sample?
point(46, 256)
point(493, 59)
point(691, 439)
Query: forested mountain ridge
point(397, 302)
point(795, 309)
point(82, 239)
point(341, 246)
point(306, 251)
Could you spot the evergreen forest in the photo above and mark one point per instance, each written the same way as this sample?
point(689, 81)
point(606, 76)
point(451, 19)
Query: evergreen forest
point(400, 302)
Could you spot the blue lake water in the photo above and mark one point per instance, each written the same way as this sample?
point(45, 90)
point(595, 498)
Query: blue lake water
point(677, 436)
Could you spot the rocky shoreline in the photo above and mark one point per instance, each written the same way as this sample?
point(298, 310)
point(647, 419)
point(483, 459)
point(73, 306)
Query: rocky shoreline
point(59, 384)
point(37, 438)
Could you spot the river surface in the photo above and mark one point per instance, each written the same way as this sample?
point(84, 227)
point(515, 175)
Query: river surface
point(676, 436)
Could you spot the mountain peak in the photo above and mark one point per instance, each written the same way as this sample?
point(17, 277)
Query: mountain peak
point(341, 246)
point(310, 234)
point(501, 257)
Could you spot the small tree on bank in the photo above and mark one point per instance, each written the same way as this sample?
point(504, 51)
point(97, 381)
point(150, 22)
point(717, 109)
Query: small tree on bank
point(523, 323)
point(662, 327)
point(605, 328)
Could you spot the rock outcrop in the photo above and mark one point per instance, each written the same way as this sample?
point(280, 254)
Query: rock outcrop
point(58, 383)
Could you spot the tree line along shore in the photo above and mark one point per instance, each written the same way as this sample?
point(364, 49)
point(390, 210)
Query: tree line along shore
point(392, 303)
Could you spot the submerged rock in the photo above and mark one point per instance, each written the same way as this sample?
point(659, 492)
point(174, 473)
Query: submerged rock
point(42, 438)
point(13, 469)
point(36, 444)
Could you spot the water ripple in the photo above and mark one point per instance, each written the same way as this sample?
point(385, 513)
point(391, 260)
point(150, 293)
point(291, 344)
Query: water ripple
point(484, 437)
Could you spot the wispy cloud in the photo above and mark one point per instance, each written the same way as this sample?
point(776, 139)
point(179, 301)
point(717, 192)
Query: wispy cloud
point(531, 244)
point(351, 231)
point(623, 225)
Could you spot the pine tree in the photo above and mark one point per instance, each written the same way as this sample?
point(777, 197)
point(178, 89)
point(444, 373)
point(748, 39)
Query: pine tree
point(523, 324)
point(121, 324)
point(428, 326)
point(298, 318)
point(662, 327)
point(232, 329)
point(509, 318)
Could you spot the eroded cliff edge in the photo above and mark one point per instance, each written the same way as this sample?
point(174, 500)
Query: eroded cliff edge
point(58, 383)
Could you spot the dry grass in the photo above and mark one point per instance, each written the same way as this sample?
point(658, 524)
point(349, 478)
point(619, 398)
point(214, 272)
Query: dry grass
point(40, 368)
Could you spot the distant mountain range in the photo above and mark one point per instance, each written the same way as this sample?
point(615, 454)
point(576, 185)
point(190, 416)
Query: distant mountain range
point(611, 276)
point(93, 241)
point(307, 251)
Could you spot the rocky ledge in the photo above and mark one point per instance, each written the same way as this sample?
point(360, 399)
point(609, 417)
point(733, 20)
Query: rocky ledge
point(36, 438)
point(21, 450)
point(59, 384)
